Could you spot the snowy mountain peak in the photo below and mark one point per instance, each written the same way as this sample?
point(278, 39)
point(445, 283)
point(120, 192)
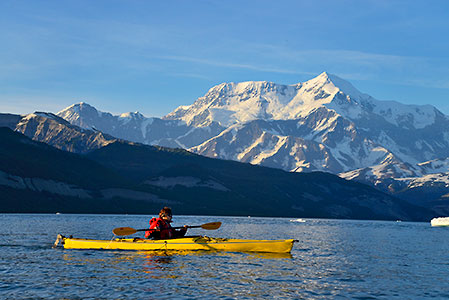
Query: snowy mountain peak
point(79, 114)
point(88, 117)
point(231, 103)
point(77, 107)
point(85, 111)
point(132, 115)
point(333, 84)
point(243, 89)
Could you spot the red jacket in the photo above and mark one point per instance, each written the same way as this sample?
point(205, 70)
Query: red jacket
point(160, 229)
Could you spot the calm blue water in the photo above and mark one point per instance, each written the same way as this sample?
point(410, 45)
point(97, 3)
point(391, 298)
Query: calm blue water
point(335, 259)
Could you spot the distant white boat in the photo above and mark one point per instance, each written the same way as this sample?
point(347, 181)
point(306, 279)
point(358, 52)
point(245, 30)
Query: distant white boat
point(298, 220)
point(439, 222)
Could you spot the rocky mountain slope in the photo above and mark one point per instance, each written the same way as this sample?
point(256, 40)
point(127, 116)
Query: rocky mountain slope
point(137, 128)
point(55, 131)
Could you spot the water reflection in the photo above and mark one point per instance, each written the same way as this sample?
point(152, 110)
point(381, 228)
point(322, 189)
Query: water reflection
point(247, 269)
point(163, 256)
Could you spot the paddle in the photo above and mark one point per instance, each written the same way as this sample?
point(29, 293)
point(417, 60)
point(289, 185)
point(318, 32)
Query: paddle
point(122, 231)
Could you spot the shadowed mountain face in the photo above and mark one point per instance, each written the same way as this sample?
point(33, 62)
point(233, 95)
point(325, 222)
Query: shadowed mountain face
point(57, 132)
point(134, 178)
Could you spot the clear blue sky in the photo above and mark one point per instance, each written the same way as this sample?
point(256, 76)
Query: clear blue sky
point(152, 56)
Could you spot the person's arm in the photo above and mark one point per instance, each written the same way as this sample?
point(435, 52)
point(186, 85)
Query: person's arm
point(181, 232)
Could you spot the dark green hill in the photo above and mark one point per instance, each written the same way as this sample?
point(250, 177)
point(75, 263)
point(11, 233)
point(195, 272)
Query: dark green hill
point(35, 177)
point(23, 157)
point(232, 188)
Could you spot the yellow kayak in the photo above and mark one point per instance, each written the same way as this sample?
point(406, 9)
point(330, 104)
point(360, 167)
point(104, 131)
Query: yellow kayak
point(186, 243)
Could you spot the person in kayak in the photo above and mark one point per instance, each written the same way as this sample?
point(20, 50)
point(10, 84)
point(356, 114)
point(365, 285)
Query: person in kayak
point(160, 227)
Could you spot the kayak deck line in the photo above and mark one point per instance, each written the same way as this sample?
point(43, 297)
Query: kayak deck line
point(184, 243)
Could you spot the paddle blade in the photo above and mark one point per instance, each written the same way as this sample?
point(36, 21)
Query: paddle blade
point(211, 226)
point(121, 231)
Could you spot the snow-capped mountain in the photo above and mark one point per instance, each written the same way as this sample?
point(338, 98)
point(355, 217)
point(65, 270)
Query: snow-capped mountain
point(232, 103)
point(138, 128)
point(322, 124)
point(389, 169)
point(416, 183)
point(57, 132)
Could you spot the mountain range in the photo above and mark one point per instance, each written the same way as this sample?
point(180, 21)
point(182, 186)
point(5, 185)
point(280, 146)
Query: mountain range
point(124, 177)
point(324, 124)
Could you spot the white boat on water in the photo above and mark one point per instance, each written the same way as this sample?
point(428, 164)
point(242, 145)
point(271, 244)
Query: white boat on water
point(298, 220)
point(443, 221)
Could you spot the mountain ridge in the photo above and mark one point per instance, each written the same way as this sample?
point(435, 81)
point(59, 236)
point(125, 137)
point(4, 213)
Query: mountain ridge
point(323, 124)
point(292, 102)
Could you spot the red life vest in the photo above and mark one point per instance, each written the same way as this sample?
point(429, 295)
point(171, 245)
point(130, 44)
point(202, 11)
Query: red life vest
point(163, 229)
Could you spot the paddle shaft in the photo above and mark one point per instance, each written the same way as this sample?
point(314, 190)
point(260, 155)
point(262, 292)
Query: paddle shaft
point(145, 229)
point(123, 231)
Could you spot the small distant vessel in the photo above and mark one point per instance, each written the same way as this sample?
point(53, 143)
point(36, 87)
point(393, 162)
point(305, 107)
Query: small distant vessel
point(443, 221)
point(298, 220)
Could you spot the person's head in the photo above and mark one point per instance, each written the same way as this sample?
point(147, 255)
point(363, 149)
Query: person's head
point(165, 214)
